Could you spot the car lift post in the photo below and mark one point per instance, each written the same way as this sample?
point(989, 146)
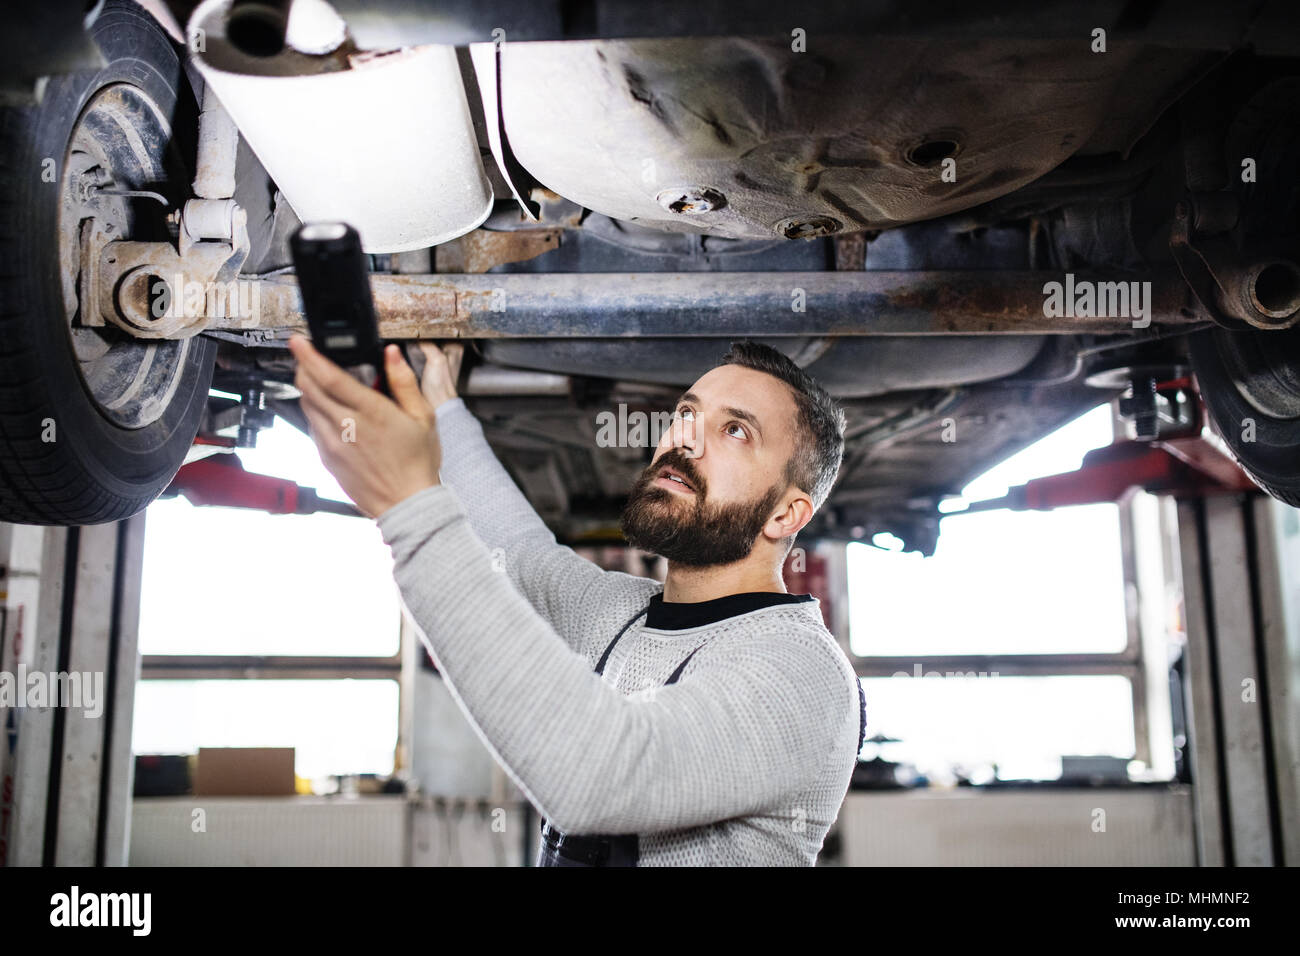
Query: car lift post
point(1240, 575)
point(1240, 673)
point(71, 603)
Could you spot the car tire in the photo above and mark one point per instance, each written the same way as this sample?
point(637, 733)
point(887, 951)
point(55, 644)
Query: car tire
point(1250, 384)
point(93, 423)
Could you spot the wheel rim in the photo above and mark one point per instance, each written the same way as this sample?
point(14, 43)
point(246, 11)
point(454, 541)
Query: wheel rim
point(1264, 368)
point(120, 141)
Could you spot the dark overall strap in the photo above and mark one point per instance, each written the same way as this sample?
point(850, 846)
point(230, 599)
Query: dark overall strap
point(681, 667)
point(600, 665)
point(862, 722)
point(561, 849)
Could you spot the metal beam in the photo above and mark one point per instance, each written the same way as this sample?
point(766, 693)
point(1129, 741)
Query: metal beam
point(1005, 665)
point(673, 304)
point(258, 667)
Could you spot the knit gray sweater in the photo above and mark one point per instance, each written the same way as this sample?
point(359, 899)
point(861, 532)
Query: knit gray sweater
point(745, 760)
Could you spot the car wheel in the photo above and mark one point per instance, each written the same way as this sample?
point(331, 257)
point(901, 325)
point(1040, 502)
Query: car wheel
point(93, 422)
point(1250, 383)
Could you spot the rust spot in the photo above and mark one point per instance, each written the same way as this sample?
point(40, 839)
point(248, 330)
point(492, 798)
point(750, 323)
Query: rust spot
point(480, 250)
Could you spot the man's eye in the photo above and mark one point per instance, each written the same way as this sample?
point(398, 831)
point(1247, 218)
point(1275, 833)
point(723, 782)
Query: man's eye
point(738, 427)
point(686, 413)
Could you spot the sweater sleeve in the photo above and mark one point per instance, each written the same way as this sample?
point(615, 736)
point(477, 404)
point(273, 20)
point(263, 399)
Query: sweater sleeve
point(750, 724)
point(554, 579)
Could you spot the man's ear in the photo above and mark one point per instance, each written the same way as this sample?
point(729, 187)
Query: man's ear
point(798, 511)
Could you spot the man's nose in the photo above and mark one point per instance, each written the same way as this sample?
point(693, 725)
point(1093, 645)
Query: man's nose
point(684, 435)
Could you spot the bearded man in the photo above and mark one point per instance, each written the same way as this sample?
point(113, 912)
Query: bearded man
point(708, 720)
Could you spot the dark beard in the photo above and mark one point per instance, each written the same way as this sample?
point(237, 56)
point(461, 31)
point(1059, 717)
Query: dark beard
point(692, 533)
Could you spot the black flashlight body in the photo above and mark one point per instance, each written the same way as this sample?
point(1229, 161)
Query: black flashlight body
point(336, 298)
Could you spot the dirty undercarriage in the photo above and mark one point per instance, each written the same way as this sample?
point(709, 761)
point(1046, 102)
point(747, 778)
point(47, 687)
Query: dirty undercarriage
point(917, 301)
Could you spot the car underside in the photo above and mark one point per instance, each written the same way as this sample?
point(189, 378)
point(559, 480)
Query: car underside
point(971, 226)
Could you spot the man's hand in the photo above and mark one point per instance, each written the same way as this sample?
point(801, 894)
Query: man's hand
point(381, 451)
point(441, 369)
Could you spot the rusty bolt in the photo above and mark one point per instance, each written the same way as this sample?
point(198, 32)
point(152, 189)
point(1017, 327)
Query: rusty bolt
point(799, 227)
point(690, 200)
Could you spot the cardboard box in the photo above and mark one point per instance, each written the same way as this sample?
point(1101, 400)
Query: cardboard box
point(244, 772)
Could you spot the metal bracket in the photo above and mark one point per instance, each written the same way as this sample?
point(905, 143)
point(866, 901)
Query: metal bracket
point(1223, 282)
point(147, 288)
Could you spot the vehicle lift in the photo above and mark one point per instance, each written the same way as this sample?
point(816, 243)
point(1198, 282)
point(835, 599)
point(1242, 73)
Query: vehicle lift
point(221, 480)
point(1184, 462)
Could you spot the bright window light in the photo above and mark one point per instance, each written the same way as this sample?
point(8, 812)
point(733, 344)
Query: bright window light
point(334, 726)
point(1001, 582)
point(233, 581)
point(1019, 725)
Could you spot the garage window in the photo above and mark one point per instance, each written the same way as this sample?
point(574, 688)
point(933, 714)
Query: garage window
point(1017, 642)
point(335, 726)
point(999, 582)
point(261, 630)
point(232, 581)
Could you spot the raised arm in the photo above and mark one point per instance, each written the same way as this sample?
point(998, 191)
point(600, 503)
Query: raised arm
point(749, 726)
point(558, 582)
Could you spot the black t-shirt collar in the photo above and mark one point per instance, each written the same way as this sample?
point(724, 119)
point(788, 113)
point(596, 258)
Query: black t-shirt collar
point(675, 616)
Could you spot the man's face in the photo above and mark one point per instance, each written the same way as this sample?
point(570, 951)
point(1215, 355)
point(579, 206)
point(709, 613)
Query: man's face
point(731, 438)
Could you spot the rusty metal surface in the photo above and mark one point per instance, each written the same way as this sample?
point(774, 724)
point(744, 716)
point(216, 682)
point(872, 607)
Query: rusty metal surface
point(92, 236)
point(619, 305)
point(1223, 281)
point(850, 252)
point(127, 271)
point(480, 250)
point(126, 275)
